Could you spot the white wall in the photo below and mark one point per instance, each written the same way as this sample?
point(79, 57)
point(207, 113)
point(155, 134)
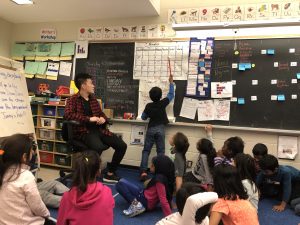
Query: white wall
point(133, 154)
point(67, 31)
point(5, 37)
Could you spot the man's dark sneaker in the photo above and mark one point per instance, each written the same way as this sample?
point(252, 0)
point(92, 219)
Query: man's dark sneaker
point(111, 178)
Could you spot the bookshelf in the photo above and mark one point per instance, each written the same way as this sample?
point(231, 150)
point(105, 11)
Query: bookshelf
point(48, 120)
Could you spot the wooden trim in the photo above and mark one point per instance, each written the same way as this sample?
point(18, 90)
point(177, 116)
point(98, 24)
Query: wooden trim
point(8, 67)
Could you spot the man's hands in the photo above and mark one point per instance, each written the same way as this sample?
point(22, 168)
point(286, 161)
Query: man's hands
point(97, 120)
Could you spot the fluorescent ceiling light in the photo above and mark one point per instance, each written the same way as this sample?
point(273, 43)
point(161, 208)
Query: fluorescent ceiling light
point(23, 2)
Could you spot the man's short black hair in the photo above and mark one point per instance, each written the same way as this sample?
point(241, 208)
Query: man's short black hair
point(155, 94)
point(81, 78)
point(186, 190)
point(260, 149)
point(269, 162)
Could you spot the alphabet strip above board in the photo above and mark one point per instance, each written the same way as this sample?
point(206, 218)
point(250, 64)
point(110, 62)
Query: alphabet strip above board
point(229, 59)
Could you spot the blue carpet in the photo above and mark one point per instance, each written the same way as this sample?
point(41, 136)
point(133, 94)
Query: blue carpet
point(265, 213)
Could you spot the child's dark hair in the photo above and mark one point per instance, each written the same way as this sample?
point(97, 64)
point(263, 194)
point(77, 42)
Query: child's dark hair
point(87, 166)
point(206, 147)
point(227, 183)
point(269, 162)
point(235, 145)
point(164, 173)
point(245, 165)
point(81, 78)
point(14, 147)
point(186, 190)
point(155, 94)
point(181, 144)
point(260, 149)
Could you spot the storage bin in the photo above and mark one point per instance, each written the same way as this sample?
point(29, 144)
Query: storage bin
point(63, 160)
point(59, 123)
point(46, 157)
point(35, 121)
point(59, 136)
point(47, 122)
point(47, 134)
point(61, 148)
point(34, 109)
point(49, 111)
point(45, 146)
point(60, 111)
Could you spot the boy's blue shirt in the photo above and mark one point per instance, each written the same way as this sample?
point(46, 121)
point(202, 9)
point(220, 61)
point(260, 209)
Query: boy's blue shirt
point(285, 176)
point(170, 96)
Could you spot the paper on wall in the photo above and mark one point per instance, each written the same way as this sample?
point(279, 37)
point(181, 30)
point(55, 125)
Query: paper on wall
point(189, 108)
point(287, 147)
point(65, 68)
point(221, 89)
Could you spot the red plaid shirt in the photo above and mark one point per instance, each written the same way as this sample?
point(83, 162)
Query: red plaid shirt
point(74, 111)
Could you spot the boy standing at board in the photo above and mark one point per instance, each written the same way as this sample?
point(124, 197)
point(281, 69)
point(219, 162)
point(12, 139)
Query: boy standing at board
point(156, 111)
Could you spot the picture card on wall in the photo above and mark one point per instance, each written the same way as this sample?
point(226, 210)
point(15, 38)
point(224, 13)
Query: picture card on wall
point(221, 89)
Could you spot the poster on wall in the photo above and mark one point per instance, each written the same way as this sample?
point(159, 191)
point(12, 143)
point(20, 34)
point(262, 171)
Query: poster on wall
point(137, 135)
point(48, 34)
point(287, 147)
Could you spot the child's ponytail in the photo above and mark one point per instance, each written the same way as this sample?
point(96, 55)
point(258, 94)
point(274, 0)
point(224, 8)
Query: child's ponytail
point(87, 166)
point(206, 147)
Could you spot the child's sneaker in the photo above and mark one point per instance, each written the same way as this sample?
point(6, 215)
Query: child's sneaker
point(134, 209)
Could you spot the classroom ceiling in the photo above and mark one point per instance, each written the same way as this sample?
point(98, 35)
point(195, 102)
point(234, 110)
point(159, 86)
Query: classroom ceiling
point(71, 10)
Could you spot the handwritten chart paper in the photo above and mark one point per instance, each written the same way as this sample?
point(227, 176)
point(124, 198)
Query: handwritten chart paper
point(222, 109)
point(206, 110)
point(189, 108)
point(15, 111)
point(151, 60)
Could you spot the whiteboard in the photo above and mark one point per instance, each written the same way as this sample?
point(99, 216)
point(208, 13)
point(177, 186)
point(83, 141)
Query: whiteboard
point(144, 99)
point(15, 110)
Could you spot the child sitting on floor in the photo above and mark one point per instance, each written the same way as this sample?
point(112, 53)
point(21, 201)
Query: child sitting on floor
point(193, 205)
point(158, 190)
point(88, 201)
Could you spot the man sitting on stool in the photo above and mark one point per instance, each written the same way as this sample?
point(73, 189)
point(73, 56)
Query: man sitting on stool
point(84, 108)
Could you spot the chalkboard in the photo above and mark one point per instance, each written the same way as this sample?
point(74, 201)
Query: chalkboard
point(262, 113)
point(111, 65)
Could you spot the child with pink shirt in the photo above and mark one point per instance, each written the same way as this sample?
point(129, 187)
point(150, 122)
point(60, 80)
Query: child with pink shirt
point(232, 207)
point(88, 201)
point(158, 190)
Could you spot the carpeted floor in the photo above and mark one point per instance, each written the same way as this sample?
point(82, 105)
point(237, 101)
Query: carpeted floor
point(265, 213)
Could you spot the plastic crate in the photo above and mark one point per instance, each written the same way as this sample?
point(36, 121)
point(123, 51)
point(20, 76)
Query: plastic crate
point(61, 148)
point(59, 136)
point(60, 111)
point(46, 157)
point(45, 146)
point(47, 122)
point(63, 160)
point(47, 134)
point(49, 111)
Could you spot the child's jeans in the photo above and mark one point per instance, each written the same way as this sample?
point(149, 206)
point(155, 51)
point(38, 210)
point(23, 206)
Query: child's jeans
point(155, 135)
point(130, 191)
point(295, 204)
